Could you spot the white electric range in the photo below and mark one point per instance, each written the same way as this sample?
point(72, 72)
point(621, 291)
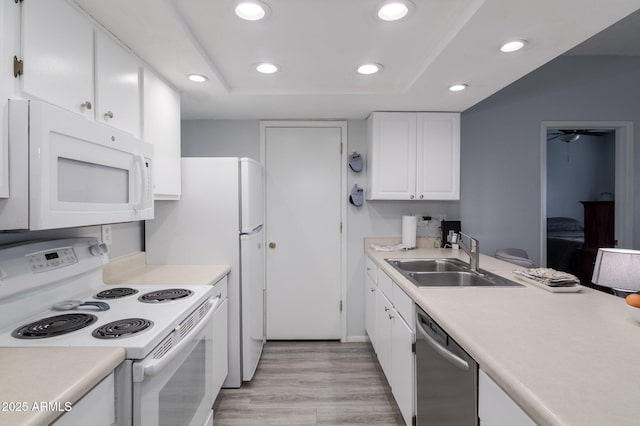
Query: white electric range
point(52, 294)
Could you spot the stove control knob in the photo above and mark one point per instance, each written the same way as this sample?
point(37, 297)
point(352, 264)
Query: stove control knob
point(99, 249)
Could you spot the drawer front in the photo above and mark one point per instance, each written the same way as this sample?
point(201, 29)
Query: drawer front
point(372, 269)
point(404, 305)
point(386, 285)
point(220, 288)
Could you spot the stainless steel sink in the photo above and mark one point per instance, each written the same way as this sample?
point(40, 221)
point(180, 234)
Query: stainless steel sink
point(459, 279)
point(447, 273)
point(428, 265)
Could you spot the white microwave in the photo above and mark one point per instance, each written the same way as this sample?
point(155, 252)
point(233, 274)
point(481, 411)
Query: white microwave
point(67, 171)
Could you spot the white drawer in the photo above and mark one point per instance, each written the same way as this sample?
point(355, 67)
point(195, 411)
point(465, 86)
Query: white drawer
point(403, 304)
point(220, 288)
point(385, 284)
point(371, 268)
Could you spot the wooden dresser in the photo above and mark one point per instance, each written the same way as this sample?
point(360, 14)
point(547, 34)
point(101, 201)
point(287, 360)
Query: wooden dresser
point(599, 231)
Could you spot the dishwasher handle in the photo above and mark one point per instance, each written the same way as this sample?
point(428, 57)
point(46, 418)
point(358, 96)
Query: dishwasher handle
point(444, 352)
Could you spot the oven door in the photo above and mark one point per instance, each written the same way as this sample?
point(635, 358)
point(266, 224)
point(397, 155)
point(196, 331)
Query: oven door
point(177, 388)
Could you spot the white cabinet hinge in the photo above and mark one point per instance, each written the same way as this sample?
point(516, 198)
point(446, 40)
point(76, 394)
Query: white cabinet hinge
point(18, 67)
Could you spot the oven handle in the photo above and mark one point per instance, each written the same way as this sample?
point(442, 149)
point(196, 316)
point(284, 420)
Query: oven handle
point(150, 366)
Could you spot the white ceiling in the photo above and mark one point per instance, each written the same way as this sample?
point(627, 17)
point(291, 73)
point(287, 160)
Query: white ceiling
point(319, 44)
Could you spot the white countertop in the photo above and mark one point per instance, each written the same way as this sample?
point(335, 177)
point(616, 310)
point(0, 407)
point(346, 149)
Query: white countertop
point(565, 358)
point(37, 375)
point(133, 269)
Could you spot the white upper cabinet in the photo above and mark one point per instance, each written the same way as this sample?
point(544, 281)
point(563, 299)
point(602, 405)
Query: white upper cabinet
point(57, 51)
point(161, 122)
point(117, 86)
point(391, 159)
point(438, 156)
point(413, 156)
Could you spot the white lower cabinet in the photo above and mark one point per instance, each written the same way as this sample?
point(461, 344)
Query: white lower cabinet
point(96, 407)
point(389, 324)
point(220, 335)
point(402, 366)
point(496, 408)
point(383, 333)
point(370, 310)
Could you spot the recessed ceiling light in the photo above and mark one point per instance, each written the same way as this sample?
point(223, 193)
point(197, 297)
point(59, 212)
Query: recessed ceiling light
point(251, 10)
point(457, 87)
point(198, 78)
point(512, 46)
point(267, 68)
point(392, 10)
point(367, 69)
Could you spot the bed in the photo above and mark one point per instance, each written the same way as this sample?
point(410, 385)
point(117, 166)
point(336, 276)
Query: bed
point(565, 238)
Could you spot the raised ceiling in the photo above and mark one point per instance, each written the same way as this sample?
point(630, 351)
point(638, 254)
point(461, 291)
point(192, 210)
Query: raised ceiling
point(319, 43)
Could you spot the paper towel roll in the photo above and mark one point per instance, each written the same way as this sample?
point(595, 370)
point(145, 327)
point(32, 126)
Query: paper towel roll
point(409, 228)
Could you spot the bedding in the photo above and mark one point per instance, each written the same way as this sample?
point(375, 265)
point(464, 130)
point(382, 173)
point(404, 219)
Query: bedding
point(565, 238)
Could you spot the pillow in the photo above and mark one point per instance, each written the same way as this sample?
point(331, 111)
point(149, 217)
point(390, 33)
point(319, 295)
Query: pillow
point(555, 224)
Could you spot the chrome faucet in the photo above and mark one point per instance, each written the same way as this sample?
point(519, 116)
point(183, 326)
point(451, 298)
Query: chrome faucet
point(472, 251)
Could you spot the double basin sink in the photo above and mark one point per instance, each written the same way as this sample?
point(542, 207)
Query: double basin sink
point(447, 273)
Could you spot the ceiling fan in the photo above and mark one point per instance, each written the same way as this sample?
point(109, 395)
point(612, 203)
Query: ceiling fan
point(571, 135)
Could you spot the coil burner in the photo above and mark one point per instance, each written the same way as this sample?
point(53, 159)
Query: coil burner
point(116, 293)
point(122, 328)
point(168, 295)
point(54, 326)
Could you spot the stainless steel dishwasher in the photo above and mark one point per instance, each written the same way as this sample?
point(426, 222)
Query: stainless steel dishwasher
point(447, 377)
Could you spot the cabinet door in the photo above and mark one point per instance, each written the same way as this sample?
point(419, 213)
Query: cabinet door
point(391, 158)
point(117, 86)
point(496, 408)
point(220, 347)
point(6, 52)
point(161, 122)
point(370, 310)
point(402, 366)
point(438, 154)
point(57, 49)
point(383, 333)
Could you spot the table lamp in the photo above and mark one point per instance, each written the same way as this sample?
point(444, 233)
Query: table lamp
point(618, 269)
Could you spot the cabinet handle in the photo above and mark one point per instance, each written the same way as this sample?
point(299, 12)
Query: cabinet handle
point(272, 245)
point(86, 105)
point(412, 196)
point(373, 290)
point(386, 309)
point(219, 296)
point(391, 316)
point(108, 115)
point(421, 196)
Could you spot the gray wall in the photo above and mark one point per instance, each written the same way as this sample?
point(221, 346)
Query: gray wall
point(500, 143)
point(376, 218)
point(221, 138)
point(579, 171)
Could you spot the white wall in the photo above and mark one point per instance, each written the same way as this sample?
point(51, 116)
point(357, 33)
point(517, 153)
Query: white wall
point(127, 237)
point(500, 143)
point(579, 171)
point(376, 218)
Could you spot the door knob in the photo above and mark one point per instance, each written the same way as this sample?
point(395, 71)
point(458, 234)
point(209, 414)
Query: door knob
point(272, 245)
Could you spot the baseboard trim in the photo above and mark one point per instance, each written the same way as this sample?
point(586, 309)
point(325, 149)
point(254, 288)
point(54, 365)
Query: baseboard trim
point(357, 339)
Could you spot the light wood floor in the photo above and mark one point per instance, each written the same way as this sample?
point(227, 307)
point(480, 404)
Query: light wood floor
point(311, 383)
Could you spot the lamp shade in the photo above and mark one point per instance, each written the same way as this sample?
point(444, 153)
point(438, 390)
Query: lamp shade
point(617, 269)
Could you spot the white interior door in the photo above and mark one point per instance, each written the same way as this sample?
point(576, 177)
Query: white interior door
point(303, 213)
